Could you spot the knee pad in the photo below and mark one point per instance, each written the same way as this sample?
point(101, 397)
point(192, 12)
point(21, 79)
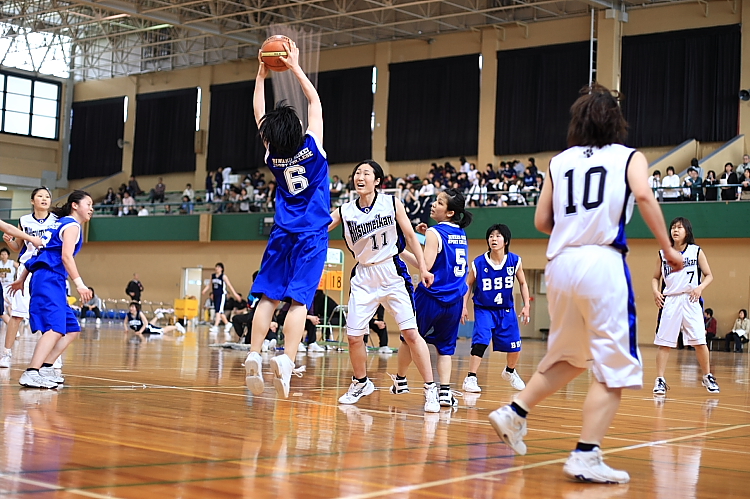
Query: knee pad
point(478, 350)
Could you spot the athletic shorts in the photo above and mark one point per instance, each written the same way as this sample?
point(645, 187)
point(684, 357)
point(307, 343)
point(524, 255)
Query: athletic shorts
point(499, 325)
point(592, 314)
point(17, 305)
point(680, 313)
point(292, 265)
point(387, 283)
point(49, 309)
point(438, 321)
point(219, 300)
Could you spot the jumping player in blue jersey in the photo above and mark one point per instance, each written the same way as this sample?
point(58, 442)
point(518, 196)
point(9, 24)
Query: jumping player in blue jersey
point(48, 309)
point(440, 306)
point(218, 287)
point(295, 255)
point(491, 279)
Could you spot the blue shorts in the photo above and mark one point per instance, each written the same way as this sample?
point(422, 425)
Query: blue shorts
point(292, 265)
point(498, 324)
point(438, 321)
point(48, 308)
point(219, 300)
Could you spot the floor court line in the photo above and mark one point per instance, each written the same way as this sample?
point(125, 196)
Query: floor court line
point(54, 488)
point(448, 481)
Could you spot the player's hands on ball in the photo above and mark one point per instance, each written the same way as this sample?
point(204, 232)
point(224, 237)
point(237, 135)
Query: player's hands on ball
point(421, 228)
point(262, 68)
point(659, 299)
point(85, 293)
point(292, 60)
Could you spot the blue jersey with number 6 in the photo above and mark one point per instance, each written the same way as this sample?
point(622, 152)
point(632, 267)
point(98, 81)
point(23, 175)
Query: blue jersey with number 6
point(493, 287)
point(303, 198)
point(450, 264)
point(49, 256)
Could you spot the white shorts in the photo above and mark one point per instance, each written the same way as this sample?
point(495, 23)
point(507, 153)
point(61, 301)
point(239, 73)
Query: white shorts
point(592, 312)
point(679, 313)
point(17, 305)
point(372, 285)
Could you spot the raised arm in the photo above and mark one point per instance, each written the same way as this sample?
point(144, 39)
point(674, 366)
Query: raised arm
point(19, 234)
point(259, 94)
point(314, 108)
point(411, 240)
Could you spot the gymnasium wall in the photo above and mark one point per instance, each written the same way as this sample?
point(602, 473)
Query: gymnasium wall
point(157, 248)
point(486, 41)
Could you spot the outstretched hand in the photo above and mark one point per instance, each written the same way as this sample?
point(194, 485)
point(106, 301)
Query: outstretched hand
point(291, 60)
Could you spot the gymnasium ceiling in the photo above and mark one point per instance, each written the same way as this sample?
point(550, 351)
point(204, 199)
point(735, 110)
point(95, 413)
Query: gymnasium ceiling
point(100, 39)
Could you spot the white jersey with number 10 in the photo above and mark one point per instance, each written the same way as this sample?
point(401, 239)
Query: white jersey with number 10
point(592, 200)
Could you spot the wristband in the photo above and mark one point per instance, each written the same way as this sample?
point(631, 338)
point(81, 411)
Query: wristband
point(79, 283)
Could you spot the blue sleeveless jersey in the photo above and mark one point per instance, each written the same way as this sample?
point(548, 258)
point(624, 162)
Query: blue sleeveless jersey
point(450, 264)
point(494, 284)
point(218, 285)
point(303, 200)
point(50, 255)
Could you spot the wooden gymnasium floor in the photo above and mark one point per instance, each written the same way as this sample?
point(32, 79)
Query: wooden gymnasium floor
point(171, 417)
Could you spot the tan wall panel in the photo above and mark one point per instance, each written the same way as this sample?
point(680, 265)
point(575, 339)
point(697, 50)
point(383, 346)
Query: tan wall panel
point(28, 157)
point(678, 17)
point(109, 266)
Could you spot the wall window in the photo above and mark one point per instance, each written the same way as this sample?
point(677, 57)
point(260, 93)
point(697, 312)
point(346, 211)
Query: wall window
point(30, 106)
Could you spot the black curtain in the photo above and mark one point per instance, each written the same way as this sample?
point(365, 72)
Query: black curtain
point(681, 85)
point(433, 108)
point(347, 98)
point(97, 125)
point(233, 138)
point(165, 132)
point(535, 89)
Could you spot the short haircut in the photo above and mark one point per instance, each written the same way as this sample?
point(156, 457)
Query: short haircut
point(504, 231)
point(282, 130)
point(5, 250)
point(709, 312)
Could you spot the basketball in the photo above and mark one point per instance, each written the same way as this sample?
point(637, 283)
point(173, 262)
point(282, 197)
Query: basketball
point(273, 50)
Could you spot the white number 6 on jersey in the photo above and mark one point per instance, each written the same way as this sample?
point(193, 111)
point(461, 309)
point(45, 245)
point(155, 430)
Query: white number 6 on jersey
point(296, 181)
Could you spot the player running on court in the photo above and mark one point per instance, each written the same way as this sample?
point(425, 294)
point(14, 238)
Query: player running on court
point(50, 267)
point(376, 229)
point(679, 301)
point(17, 304)
point(584, 206)
point(491, 279)
point(439, 307)
point(296, 252)
point(218, 288)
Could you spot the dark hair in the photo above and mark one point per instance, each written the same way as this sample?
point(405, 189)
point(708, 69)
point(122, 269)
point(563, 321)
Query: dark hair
point(596, 118)
point(66, 209)
point(504, 231)
point(710, 312)
point(6, 250)
point(376, 169)
point(219, 264)
point(136, 305)
point(670, 168)
point(457, 204)
point(744, 312)
point(694, 162)
point(92, 290)
point(282, 130)
point(728, 164)
point(691, 169)
point(657, 172)
point(33, 193)
point(689, 239)
point(711, 172)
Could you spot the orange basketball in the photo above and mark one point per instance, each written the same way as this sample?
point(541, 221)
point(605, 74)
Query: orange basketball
point(273, 50)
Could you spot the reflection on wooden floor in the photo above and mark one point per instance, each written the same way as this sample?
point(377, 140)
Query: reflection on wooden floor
point(171, 417)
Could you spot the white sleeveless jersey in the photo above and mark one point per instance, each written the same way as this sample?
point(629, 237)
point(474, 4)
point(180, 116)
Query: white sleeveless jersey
point(685, 280)
point(33, 227)
point(591, 199)
point(372, 233)
point(7, 272)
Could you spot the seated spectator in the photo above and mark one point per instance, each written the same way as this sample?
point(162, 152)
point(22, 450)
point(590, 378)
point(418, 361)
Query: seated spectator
point(654, 181)
point(389, 182)
point(110, 199)
point(189, 192)
point(245, 201)
point(473, 173)
point(728, 178)
point(477, 195)
point(740, 333)
point(532, 166)
point(94, 305)
point(133, 187)
point(669, 184)
point(143, 212)
point(710, 322)
point(745, 189)
point(336, 188)
point(439, 187)
point(464, 165)
point(233, 201)
point(743, 166)
point(121, 190)
point(695, 164)
point(515, 197)
point(489, 172)
point(694, 185)
point(168, 210)
point(157, 193)
point(529, 178)
point(507, 170)
point(186, 208)
point(712, 192)
point(427, 189)
point(128, 204)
